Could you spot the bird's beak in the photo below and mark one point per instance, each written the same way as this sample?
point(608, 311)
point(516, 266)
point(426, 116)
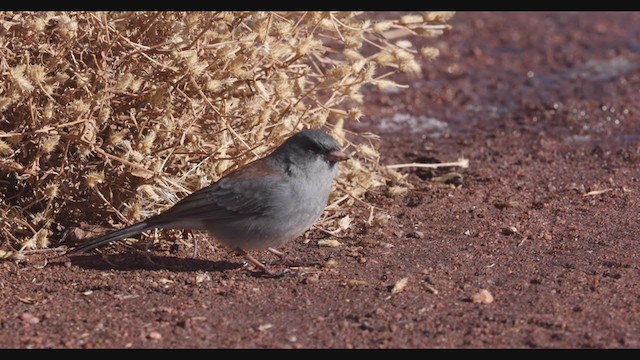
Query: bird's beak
point(337, 155)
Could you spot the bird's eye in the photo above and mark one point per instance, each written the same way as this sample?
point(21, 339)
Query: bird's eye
point(315, 147)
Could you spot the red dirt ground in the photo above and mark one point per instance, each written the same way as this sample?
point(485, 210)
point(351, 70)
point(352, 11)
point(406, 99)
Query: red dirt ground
point(546, 108)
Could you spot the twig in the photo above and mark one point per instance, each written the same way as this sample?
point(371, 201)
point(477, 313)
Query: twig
point(462, 162)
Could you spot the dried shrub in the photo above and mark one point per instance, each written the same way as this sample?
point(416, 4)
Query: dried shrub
point(110, 117)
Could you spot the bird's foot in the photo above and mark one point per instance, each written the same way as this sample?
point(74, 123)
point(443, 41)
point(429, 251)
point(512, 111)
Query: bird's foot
point(264, 270)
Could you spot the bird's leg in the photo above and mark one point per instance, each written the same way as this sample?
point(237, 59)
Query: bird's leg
point(258, 264)
point(290, 263)
point(279, 254)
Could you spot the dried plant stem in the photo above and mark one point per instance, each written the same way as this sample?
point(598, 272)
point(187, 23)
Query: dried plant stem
point(463, 163)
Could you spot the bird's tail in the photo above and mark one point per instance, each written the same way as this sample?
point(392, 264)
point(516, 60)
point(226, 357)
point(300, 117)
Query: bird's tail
point(116, 235)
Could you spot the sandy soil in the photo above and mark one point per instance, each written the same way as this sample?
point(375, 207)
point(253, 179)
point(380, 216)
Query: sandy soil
point(546, 108)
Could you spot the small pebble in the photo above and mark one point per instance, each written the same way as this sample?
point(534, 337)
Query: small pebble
point(415, 234)
point(482, 297)
point(311, 278)
point(29, 318)
point(154, 335)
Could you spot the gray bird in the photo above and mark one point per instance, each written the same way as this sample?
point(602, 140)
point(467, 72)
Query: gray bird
point(261, 205)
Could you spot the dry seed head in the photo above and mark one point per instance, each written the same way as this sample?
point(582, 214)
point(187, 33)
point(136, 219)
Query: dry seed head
point(370, 71)
point(5, 149)
point(147, 142)
point(47, 111)
point(290, 122)
point(400, 54)
point(383, 58)
point(84, 152)
point(103, 114)
point(14, 139)
point(428, 32)
point(94, 178)
point(67, 27)
point(58, 78)
point(51, 190)
point(124, 81)
point(82, 80)
point(353, 42)
point(410, 67)
point(89, 131)
point(385, 84)
point(38, 25)
point(354, 114)
point(351, 55)
point(79, 107)
point(307, 45)
point(380, 219)
point(397, 190)
point(357, 97)
point(396, 176)
point(338, 131)
point(316, 16)
point(265, 115)
point(4, 103)
point(147, 191)
point(227, 52)
point(37, 73)
point(382, 26)
point(135, 211)
point(135, 156)
point(284, 90)
point(42, 238)
point(117, 137)
point(17, 75)
point(156, 165)
point(38, 219)
point(345, 223)
point(136, 84)
point(281, 51)
point(359, 65)
point(438, 16)
point(283, 27)
point(30, 243)
point(411, 19)
point(339, 72)
point(327, 24)
point(49, 143)
point(429, 52)
point(222, 166)
point(405, 44)
point(213, 85)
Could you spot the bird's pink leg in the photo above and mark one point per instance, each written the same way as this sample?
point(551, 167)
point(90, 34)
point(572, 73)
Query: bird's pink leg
point(258, 264)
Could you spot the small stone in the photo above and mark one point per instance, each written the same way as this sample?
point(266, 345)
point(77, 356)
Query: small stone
point(154, 335)
point(399, 285)
point(329, 243)
point(29, 318)
point(547, 236)
point(482, 297)
point(415, 234)
point(311, 278)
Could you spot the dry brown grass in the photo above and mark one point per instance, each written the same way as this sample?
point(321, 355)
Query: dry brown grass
point(110, 117)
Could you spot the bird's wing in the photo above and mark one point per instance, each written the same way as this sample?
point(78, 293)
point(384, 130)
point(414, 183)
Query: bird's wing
point(243, 192)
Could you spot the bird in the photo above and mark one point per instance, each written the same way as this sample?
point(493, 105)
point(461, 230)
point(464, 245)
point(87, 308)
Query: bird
point(261, 205)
